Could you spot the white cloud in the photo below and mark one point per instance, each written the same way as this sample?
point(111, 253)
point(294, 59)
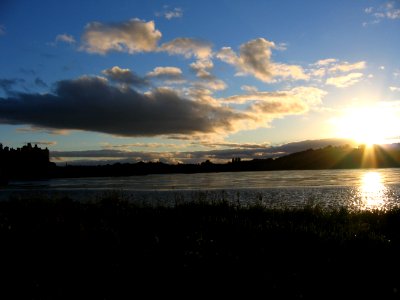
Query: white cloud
point(326, 61)
point(66, 38)
point(308, 95)
point(188, 47)
point(369, 10)
point(131, 36)
point(347, 67)
point(249, 88)
point(211, 83)
point(124, 76)
point(255, 59)
point(388, 10)
point(345, 81)
point(202, 67)
point(170, 74)
point(165, 71)
point(169, 14)
point(394, 89)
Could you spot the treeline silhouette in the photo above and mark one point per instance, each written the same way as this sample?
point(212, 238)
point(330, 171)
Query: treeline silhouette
point(33, 162)
point(343, 157)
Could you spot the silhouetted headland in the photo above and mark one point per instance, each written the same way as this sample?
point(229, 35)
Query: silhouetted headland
point(33, 162)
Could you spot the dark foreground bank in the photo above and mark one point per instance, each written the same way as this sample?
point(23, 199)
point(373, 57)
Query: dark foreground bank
point(61, 249)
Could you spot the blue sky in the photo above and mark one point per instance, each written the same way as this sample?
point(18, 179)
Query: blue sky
point(188, 80)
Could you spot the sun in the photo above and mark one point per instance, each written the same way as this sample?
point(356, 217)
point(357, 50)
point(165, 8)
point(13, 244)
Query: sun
point(369, 125)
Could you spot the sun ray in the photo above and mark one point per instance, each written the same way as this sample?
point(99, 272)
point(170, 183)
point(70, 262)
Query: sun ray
point(368, 125)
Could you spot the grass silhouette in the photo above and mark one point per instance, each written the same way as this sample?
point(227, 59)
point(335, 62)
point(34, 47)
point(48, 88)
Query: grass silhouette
point(112, 248)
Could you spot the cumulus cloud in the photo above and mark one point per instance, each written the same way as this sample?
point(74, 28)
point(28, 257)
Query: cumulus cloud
point(267, 106)
point(131, 36)
point(202, 68)
point(124, 76)
point(65, 38)
point(254, 58)
point(92, 104)
point(345, 81)
point(188, 47)
point(171, 74)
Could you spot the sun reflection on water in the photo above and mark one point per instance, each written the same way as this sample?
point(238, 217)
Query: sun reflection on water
point(372, 192)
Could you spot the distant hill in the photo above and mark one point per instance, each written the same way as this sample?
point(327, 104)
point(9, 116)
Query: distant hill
point(329, 157)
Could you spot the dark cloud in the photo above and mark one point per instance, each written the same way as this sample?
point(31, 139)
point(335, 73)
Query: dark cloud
point(40, 83)
point(92, 104)
point(7, 85)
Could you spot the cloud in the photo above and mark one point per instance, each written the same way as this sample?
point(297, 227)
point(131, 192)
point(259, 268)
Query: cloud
point(7, 84)
point(34, 129)
point(169, 14)
point(388, 10)
point(326, 61)
point(43, 143)
point(188, 47)
point(329, 71)
point(345, 81)
point(249, 88)
point(307, 95)
point(394, 89)
point(211, 83)
point(139, 145)
point(92, 104)
point(245, 151)
point(131, 36)
point(202, 68)
point(124, 76)
point(171, 74)
point(255, 59)
point(40, 83)
point(65, 38)
point(2, 30)
point(347, 67)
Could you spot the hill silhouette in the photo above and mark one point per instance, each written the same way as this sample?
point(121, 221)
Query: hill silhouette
point(329, 157)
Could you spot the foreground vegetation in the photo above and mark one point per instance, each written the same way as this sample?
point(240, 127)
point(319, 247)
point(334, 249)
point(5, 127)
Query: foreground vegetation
point(111, 248)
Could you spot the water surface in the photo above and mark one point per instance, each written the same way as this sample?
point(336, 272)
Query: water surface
point(359, 189)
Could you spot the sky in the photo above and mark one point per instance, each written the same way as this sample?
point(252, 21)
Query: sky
point(185, 81)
